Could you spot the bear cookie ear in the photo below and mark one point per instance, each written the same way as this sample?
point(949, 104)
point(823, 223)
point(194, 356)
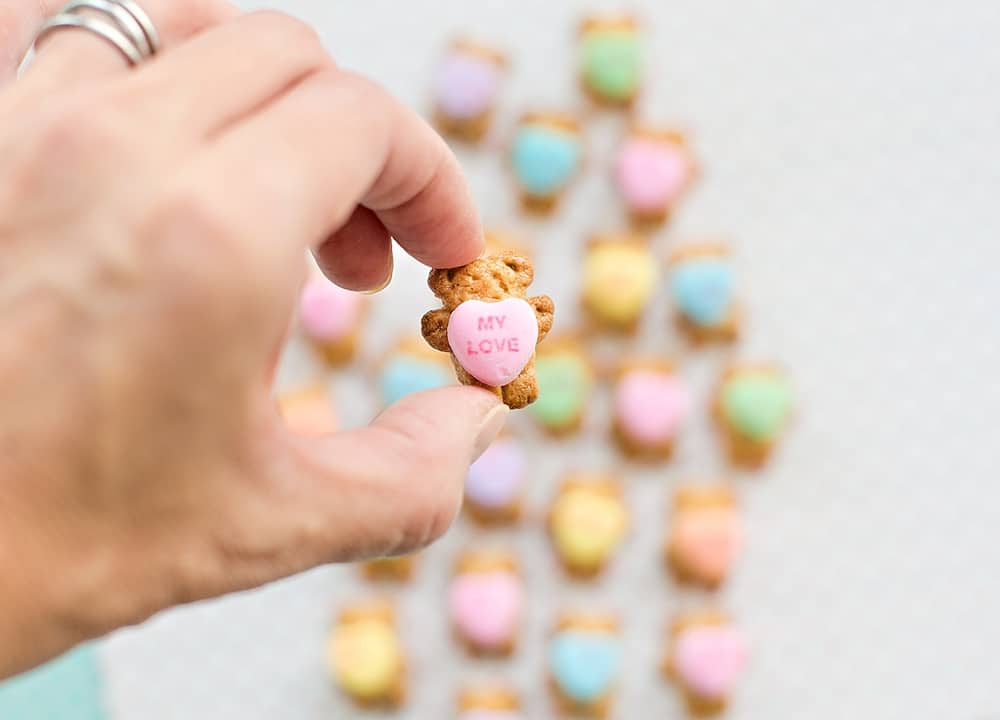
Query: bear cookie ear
point(439, 281)
point(519, 264)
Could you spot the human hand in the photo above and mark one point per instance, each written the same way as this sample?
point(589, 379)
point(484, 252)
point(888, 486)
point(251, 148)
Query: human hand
point(152, 230)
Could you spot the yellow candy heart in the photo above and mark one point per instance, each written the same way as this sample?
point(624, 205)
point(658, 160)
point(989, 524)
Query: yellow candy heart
point(365, 657)
point(587, 526)
point(619, 280)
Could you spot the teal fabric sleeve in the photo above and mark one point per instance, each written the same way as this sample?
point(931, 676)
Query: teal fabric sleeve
point(68, 688)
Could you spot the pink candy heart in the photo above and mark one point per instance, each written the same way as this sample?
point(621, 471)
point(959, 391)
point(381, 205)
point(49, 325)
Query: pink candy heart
point(709, 659)
point(651, 174)
point(493, 341)
point(650, 405)
point(327, 311)
point(486, 607)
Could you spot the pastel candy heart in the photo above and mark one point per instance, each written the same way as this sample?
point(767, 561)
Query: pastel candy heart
point(327, 311)
point(365, 657)
point(651, 174)
point(611, 63)
point(490, 715)
point(757, 403)
point(619, 280)
point(710, 659)
point(709, 539)
point(703, 290)
point(403, 375)
point(584, 665)
point(466, 85)
point(587, 526)
point(650, 405)
point(486, 607)
point(493, 341)
point(496, 478)
point(545, 158)
point(564, 384)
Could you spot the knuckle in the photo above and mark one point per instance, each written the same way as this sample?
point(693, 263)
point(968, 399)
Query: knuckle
point(77, 133)
point(289, 32)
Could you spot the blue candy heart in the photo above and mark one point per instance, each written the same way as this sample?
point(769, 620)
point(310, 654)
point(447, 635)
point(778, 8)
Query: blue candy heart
point(544, 158)
point(584, 664)
point(404, 375)
point(703, 289)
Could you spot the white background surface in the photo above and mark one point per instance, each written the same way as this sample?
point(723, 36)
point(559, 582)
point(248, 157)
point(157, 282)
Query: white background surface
point(851, 155)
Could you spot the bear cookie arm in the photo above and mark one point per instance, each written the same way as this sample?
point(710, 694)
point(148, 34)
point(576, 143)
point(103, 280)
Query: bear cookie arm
point(488, 320)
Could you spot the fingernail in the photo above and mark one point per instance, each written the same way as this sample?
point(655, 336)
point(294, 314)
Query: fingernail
point(385, 283)
point(489, 428)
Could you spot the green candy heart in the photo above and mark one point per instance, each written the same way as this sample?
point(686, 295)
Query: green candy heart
point(757, 404)
point(564, 382)
point(611, 63)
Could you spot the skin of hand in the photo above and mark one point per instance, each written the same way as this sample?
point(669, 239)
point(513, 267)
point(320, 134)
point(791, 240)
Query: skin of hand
point(153, 223)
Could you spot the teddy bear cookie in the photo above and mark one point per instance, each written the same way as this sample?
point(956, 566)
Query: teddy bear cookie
point(584, 664)
point(546, 155)
point(752, 406)
point(489, 326)
point(705, 536)
point(610, 59)
point(365, 656)
point(620, 275)
point(650, 404)
point(706, 656)
point(652, 171)
point(566, 378)
point(331, 318)
point(489, 703)
point(466, 88)
point(398, 568)
point(409, 367)
point(702, 283)
point(486, 602)
point(308, 411)
point(587, 523)
point(494, 485)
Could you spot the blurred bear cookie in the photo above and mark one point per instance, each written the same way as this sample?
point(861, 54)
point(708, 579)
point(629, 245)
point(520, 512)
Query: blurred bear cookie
point(652, 171)
point(494, 485)
point(585, 657)
point(465, 89)
point(566, 378)
point(489, 326)
point(546, 155)
point(365, 655)
point(650, 404)
point(705, 658)
point(587, 522)
point(620, 275)
point(410, 366)
point(331, 318)
point(752, 406)
point(489, 703)
point(706, 535)
point(610, 59)
point(486, 602)
point(702, 283)
point(395, 569)
point(308, 411)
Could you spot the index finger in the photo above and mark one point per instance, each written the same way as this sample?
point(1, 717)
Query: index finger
point(336, 141)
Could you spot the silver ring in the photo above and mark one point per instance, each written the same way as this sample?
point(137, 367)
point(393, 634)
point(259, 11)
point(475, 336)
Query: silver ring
point(120, 22)
point(148, 28)
point(97, 26)
point(124, 19)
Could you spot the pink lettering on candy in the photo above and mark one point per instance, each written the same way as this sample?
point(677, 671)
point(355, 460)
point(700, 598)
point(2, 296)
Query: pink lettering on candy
point(493, 341)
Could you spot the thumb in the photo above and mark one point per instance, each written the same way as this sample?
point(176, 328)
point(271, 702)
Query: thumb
point(396, 485)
